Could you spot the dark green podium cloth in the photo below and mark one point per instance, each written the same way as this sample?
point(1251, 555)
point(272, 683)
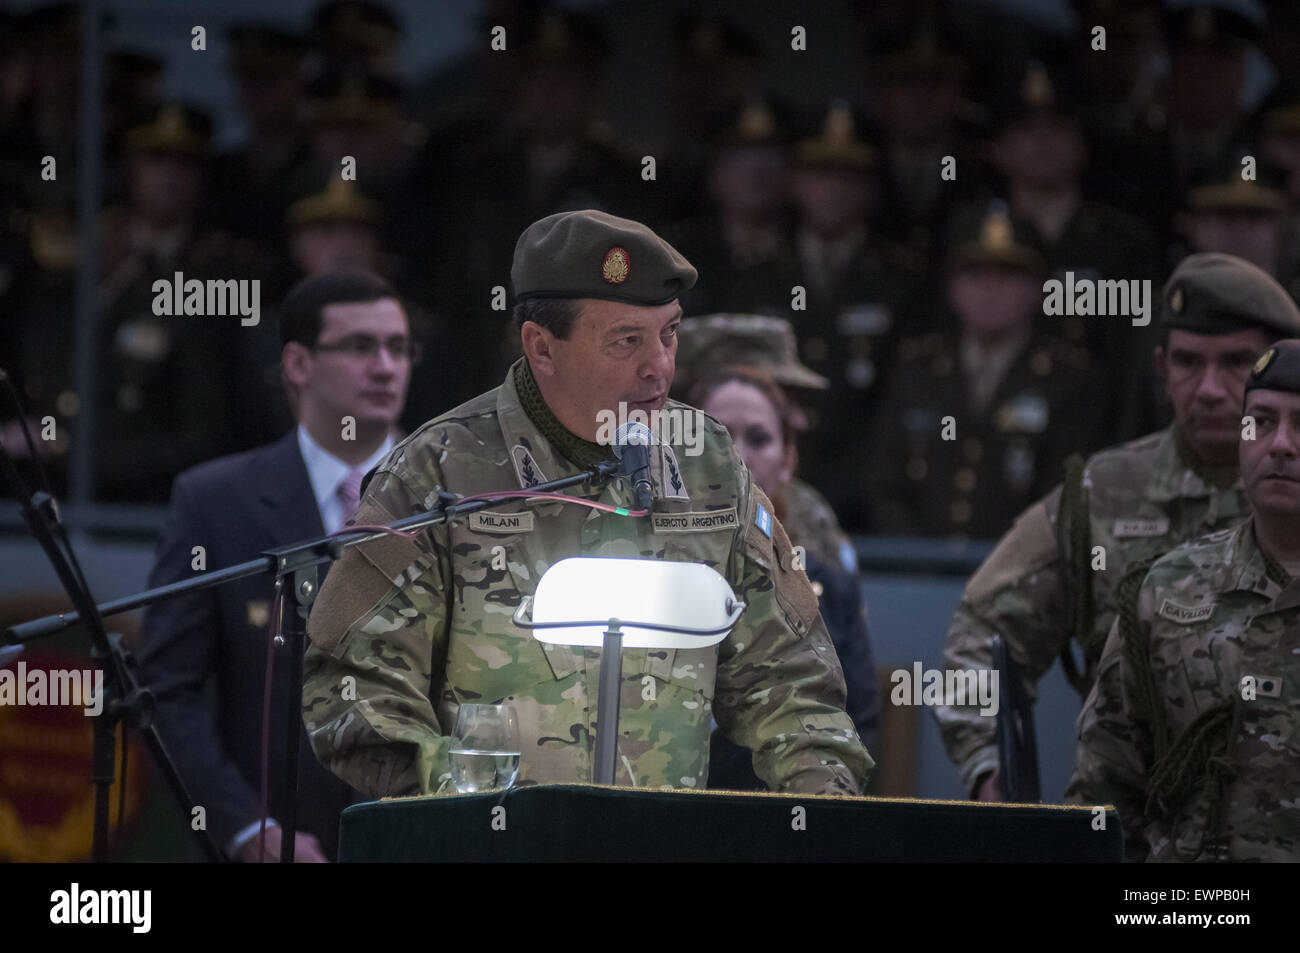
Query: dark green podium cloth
point(579, 822)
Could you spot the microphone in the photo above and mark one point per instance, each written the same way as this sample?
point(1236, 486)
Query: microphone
point(632, 447)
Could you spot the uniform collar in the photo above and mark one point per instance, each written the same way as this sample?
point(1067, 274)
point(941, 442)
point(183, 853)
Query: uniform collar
point(532, 455)
point(1246, 568)
point(1173, 477)
point(519, 432)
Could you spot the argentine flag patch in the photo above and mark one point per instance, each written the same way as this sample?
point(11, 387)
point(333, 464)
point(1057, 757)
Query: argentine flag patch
point(763, 520)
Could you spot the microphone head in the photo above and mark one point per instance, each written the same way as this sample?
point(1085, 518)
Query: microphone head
point(632, 433)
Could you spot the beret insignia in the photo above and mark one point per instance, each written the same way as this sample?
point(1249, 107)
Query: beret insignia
point(1264, 360)
point(616, 266)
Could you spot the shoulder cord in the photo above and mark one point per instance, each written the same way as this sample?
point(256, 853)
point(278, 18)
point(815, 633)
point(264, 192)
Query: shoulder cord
point(1202, 755)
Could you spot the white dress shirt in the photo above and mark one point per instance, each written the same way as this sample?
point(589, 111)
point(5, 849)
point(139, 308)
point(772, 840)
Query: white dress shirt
point(327, 472)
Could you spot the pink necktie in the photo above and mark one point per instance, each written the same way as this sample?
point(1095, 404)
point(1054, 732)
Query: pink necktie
point(349, 492)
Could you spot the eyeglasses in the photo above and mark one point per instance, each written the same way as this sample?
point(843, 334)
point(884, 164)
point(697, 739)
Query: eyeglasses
point(363, 347)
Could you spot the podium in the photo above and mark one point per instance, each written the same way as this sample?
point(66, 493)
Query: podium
point(591, 823)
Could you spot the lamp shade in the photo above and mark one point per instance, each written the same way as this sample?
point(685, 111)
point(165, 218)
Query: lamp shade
point(649, 597)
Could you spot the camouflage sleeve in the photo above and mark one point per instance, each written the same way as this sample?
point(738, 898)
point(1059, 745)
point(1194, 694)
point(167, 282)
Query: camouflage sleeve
point(1016, 594)
point(378, 631)
point(780, 689)
point(1109, 762)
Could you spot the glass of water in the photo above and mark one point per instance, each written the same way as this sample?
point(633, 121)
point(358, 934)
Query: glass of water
point(484, 748)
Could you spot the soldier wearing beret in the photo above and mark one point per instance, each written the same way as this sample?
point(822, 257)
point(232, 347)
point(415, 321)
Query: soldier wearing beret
point(977, 421)
point(1052, 579)
point(423, 624)
point(1191, 728)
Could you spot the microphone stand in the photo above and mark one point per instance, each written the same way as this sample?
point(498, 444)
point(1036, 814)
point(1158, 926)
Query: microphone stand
point(295, 566)
point(124, 701)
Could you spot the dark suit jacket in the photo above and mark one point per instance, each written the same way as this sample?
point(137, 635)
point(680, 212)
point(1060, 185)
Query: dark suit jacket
point(234, 507)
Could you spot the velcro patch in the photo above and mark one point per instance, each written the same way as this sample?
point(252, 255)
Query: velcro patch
point(1134, 528)
point(695, 521)
point(503, 523)
point(763, 520)
point(1185, 614)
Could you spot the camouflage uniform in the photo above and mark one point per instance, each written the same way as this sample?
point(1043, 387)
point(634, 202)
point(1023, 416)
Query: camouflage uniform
point(1143, 498)
point(1210, 613)
point(812, 524)
point(423, 627)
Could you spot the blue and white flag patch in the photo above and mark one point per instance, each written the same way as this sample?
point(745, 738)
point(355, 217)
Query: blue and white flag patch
point(763, 520)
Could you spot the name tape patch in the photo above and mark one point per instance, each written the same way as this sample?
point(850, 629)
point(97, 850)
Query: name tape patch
point(1130, 528)
point(503, 523)
point(697, 521)
point(1186, 614)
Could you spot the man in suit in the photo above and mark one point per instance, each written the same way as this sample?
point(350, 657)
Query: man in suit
point(347, 359)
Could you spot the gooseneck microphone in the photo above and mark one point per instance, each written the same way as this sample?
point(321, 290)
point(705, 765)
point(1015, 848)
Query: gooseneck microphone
point(632, 447)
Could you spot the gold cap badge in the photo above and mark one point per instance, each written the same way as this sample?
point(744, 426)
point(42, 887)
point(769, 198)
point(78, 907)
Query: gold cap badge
point(1036, 92)
point(1265, 359)
point(616, 266)
point(996, 233)
point(1176, 300)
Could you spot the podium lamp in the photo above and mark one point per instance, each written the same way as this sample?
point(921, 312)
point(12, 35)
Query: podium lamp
point(615, 603)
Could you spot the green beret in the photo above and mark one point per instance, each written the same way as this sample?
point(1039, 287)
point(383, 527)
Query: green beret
point(590, 254)
point(1214, 293)
point(1278, 368)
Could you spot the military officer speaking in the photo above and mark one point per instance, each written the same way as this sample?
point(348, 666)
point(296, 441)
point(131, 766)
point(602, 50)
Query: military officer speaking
point(1192, 729)
point(406, 630)
point(1052, 577)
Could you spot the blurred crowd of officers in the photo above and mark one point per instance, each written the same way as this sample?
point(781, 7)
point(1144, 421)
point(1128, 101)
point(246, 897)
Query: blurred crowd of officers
point(907, 245)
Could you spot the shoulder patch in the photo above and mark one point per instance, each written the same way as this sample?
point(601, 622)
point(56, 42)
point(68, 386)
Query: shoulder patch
point(763, 520)
point(1185, 615)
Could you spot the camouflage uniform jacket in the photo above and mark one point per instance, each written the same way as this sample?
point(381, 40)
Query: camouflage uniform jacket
point(812, 523)
point(1209, 614)
point(1143, 499)
point(423, 627)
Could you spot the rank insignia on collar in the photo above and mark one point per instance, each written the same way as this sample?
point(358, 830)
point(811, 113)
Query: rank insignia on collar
point(671, 484)
point(526, 468)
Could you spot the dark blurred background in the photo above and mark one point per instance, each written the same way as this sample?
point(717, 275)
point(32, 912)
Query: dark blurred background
point(807, 184)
